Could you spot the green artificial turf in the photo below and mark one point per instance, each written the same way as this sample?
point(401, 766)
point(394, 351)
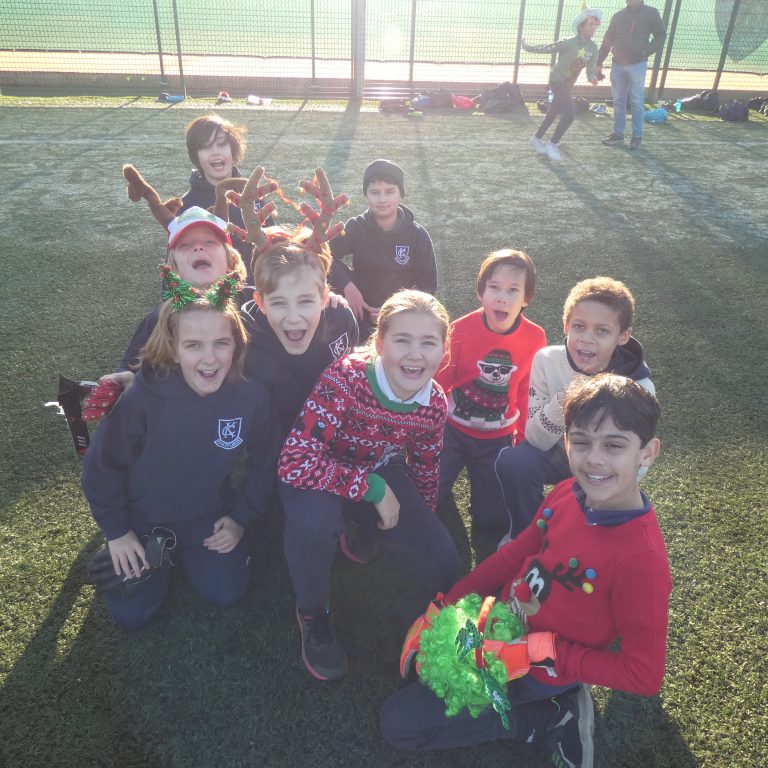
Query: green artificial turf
point(684, 222)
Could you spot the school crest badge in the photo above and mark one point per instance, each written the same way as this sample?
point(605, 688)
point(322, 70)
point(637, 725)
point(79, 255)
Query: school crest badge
point(340, 346)
point(229, 434)
point(402, 254)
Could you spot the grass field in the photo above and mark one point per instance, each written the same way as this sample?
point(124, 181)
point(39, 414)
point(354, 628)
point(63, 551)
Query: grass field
point(684, 222)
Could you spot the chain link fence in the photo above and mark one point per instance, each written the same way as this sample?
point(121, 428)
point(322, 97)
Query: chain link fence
point(343, 48)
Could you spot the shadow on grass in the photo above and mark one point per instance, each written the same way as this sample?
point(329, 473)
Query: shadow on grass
point(635, 732)
point(698, 308)
point(62, 700)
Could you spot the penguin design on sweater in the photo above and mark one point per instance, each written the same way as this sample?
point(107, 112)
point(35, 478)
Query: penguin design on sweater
point(483, 402)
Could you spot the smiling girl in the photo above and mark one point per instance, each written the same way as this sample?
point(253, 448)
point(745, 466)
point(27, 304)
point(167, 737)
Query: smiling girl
point(367, 442)
point(164, 455)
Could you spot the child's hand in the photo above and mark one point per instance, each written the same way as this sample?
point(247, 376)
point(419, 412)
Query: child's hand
point(593, 81)
point(102, 398)
point(128, 556)
point(388, 509)
point(226, 535)
point(334, 301)
point(373, 312)
point(355, 298)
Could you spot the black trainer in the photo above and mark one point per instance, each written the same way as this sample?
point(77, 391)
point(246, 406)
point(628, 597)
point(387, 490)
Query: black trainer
point(613, 139)
point(568, 740)
point(634, 142)
point(323, 656)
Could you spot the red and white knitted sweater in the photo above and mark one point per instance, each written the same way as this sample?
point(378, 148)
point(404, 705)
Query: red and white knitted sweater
point(348, 428)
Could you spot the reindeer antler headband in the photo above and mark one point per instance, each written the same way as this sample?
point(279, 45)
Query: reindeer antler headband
point(254, 191)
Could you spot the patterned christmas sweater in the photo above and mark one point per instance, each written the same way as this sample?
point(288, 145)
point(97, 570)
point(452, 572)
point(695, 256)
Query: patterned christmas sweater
point(596, 576)
point(486, 374)
point(348, 429)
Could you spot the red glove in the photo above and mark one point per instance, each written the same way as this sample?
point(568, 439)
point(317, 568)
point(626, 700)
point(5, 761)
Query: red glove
point(412, 642)
point(101, 399)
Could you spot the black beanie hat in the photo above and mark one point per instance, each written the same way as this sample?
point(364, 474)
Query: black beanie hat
point(381, 168)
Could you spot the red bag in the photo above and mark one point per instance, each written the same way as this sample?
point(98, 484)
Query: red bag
point(463, 102)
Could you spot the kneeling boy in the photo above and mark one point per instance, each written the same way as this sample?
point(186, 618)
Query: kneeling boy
point(592, 568)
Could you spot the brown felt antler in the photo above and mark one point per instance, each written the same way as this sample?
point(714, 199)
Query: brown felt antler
point(320, 220)
point(138, 188)
point(253, 192)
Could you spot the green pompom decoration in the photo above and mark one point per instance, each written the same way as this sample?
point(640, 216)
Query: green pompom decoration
point(447, 663)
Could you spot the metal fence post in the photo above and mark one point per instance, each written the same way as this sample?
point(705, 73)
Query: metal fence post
point(726, 43)
point(358, 48)
point(657, 57)
point(163, 81)
point(558, 24)
point(670, 42)
point(178, 49)
point(520, 23)
point(413, 45)
point(312, 35)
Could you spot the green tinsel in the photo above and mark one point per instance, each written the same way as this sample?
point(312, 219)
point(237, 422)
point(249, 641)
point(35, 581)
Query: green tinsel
point(458, 681)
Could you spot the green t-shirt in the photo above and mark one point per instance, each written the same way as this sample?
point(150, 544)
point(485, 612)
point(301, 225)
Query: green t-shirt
point(573, 55)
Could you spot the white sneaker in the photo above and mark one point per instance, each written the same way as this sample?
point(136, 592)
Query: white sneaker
point(552, 152)
point(539, 145)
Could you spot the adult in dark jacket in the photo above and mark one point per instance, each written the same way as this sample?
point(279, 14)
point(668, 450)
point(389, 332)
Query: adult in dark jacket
point(634, 33)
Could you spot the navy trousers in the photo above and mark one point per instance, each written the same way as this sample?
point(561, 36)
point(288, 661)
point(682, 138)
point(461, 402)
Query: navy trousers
point(522, 472)
point(419, 545)
point(486, 505)
point(414, 718)
point(220, 579)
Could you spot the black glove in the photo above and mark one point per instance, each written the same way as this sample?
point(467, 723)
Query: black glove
point(157, 550)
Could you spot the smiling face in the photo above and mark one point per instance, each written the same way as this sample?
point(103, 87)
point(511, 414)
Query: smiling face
point(199, 256)
point(594, 332)
point(503, 298)
point(383, 200)
point(294, 309)
point(605, 460)
point(204, 349)
point(214, 158)
point(411, 351)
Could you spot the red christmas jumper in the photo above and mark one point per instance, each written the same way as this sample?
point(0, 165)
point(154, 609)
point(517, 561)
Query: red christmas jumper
point(595, 583)
point(486, 376)
point(348, 429)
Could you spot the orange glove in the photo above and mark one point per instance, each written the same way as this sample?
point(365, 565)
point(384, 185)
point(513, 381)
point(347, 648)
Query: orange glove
point(535, 649)
point(412, 642)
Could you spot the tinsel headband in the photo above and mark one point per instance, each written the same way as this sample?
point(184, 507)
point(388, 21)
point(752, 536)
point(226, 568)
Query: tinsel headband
point(181, 293)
